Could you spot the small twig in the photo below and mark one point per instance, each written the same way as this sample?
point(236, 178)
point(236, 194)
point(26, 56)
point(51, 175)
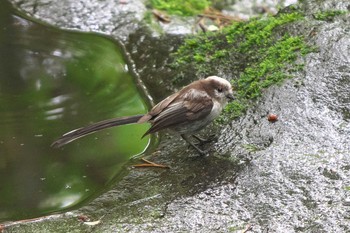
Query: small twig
point(216, 16)
point(161, 16)
point(149, 164)
point(202, 26)
point(30, 220)
point(248, 228)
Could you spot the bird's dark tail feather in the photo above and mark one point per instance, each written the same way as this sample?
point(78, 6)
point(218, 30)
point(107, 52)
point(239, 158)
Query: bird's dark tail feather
point(81, 132)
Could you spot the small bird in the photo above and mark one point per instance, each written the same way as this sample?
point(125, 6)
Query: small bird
point(184, 112)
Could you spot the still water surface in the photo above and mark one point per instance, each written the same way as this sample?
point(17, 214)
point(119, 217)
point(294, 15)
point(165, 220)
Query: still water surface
point(52, 81)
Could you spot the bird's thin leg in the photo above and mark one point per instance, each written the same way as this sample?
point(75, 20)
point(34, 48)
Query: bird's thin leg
point(204, 140)
point(201, 152)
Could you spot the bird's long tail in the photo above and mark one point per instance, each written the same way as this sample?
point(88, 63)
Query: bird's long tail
point(81, 132)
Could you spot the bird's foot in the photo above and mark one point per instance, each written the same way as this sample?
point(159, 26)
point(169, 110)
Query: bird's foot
point(194, 146)
point(202, 152)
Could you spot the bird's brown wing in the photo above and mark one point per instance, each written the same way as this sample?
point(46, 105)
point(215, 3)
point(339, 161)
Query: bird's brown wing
point(158, 108)
point(188, 106)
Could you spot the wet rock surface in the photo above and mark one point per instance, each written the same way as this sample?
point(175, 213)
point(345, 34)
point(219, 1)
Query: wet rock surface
point(116, 18)
point(288, 176)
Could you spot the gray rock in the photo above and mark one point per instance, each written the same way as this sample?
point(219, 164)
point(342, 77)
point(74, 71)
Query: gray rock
point(295, 179)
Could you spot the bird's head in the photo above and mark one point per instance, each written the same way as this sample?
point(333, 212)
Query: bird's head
point(218, 88)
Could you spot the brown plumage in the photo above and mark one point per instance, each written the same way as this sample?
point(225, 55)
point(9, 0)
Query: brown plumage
point(185, 112)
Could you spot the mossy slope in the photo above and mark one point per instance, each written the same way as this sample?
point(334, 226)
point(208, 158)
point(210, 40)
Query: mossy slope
point(256, 53)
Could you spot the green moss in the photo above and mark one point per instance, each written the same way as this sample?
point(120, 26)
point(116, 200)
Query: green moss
point(182, 8)
point(251, 147)
point(236, 108)
point(257, 32)
point(328, 15)
point(272, 67)
point(235, 228)
point(269, 55)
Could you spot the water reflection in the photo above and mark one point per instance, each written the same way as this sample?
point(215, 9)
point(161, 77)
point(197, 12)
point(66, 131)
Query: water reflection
point(52, 81)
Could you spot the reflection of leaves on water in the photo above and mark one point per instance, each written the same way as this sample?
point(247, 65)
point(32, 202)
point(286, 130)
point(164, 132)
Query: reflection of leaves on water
point(53, 81)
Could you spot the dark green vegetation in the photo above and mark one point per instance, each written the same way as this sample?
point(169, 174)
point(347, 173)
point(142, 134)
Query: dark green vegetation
point(268, 53)
point(182, 8)
point(328, 15)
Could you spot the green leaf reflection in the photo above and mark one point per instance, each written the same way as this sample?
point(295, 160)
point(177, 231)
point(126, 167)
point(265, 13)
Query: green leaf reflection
point(53, 81)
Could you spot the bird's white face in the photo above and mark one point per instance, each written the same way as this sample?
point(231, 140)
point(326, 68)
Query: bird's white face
point(222, 89)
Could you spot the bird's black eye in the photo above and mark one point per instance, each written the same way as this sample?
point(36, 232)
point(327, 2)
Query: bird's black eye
point(220, 89)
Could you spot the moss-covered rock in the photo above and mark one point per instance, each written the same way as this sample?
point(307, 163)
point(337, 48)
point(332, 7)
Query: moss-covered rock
point(269, 52)
point(328, 15)
point(182, 8)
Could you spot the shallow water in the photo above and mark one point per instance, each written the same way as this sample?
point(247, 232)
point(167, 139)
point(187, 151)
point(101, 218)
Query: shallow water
point(53, 81)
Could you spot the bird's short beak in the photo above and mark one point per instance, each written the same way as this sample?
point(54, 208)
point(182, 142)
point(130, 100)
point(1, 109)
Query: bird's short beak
point(230, 97)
